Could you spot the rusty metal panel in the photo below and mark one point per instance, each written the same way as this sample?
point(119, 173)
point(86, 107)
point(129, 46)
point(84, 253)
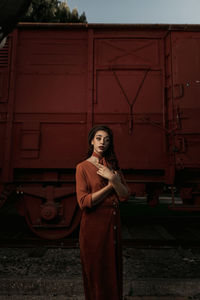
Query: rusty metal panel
point(186, 95)
point(51, 90)
point(54, 146)
point(30, 140)
point(2, 138)
point(4, 85)
point(5, 56)
point(68, 80)
point(129, 89)
point(128, 86)
point(8, 68)
point(52, 72)
point(127, 52)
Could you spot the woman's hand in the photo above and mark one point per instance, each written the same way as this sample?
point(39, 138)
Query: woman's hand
point(106, 173)
point(114, 180)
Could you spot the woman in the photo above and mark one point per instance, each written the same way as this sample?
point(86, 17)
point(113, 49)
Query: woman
point(100, 186)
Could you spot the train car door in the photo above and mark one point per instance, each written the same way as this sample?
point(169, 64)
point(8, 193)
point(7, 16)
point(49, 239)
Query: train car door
point(129, 97)
point(186, 95)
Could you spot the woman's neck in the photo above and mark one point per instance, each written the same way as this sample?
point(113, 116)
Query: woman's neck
point(97, 155)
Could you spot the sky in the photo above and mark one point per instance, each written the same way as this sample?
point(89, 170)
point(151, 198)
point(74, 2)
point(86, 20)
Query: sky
point(139, 11)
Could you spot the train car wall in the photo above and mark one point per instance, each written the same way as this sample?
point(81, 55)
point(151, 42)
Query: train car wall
point(58, 80)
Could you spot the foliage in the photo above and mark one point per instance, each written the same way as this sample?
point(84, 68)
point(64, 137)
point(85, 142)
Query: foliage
point(52, 11)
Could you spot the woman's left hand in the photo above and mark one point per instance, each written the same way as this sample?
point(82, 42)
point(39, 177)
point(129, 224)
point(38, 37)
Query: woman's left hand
point(107, 173)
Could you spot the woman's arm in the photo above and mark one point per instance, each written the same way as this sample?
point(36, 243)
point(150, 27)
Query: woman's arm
point(119, 187)
point(115, 181)
point(84, 197)
point(99, 196)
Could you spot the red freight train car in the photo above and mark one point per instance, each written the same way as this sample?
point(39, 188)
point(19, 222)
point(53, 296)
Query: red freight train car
point(56, 81)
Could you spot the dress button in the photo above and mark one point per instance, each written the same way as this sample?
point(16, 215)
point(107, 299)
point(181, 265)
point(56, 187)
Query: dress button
point(114, 212)
point(115, 227)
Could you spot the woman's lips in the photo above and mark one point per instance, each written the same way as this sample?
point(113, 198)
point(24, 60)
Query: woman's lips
point(101, 148)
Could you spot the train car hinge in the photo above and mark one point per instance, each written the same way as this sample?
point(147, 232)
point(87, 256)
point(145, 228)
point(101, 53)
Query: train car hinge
point(178, 91)
point(176, 121)
point(180, 144)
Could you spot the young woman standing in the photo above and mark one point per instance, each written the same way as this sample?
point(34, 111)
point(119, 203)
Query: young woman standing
point(100, 186)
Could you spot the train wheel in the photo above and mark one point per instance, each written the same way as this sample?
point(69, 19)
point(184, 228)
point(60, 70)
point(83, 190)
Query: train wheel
point(52, 220)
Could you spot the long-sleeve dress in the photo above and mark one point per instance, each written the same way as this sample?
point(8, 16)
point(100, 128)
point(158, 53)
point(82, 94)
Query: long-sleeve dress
point(100, 236)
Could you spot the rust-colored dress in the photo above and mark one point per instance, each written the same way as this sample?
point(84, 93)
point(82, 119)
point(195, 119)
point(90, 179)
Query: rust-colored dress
point(100, 236)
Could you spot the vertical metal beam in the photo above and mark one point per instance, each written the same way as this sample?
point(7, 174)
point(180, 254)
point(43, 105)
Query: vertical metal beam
point(7, 170)
point(170, 170)
point(90, 85)
point(162, 52)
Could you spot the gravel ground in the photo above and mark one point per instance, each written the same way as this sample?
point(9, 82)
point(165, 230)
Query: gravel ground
point(163, 263)
point(65, 263)
point(57, 273)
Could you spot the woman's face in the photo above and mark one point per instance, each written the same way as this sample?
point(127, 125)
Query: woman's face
point(101, 142)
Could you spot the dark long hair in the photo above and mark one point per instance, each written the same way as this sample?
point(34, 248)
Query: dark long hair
point(109, 154)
